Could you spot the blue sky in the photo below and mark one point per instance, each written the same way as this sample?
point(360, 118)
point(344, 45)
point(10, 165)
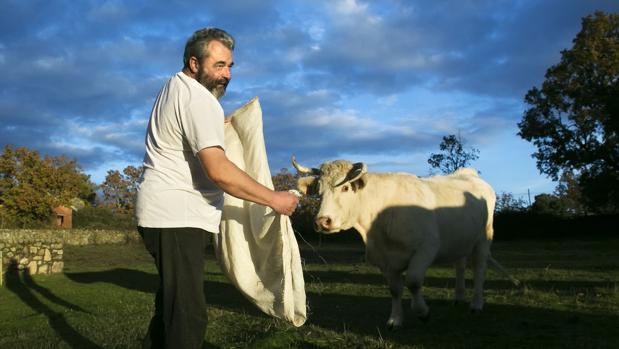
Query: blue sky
point(374, 81)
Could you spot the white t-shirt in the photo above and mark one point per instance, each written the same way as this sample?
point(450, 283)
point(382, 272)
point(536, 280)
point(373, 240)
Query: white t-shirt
point(175, 191)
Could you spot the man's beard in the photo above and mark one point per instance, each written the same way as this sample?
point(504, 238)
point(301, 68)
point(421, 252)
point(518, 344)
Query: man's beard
point(216, 86)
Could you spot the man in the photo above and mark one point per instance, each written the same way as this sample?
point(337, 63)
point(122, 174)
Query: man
point(181, 194)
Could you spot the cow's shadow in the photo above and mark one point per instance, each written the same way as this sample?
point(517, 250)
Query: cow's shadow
point(367, 316)
point(338, 276)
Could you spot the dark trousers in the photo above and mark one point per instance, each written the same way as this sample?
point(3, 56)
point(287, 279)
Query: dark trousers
point(180, 317)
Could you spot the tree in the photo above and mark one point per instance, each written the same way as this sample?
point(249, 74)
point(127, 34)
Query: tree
point(31, 186)
point(549, 205)
point(284, 180)
point(507, 202)
point(453, 155)
point(573, 119)
point(568, 190)
point(120, 189)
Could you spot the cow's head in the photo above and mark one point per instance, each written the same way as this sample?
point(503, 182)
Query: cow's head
point(338, 184)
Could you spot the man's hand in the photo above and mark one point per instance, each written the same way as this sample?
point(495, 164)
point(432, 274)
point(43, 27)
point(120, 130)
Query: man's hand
point(284, 202)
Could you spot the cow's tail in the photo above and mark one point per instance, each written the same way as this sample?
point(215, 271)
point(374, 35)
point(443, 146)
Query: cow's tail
point(498, 267)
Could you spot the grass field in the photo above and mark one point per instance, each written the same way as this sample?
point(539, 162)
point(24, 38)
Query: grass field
point(104, 300)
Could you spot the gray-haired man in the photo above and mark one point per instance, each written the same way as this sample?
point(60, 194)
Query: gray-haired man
point(181, 194)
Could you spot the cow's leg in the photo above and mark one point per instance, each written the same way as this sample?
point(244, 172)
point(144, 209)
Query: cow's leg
point(460, 281)
point(396, 286)
point(480, 262)
point(415, 275)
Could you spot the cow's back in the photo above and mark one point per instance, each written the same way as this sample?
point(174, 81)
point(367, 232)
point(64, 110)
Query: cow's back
point(452, 211)
point(464, 211)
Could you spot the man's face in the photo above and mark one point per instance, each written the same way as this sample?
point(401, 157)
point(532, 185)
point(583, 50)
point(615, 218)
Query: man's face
point(214, 71)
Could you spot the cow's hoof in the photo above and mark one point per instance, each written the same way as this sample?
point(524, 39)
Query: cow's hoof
point(475, 311)
point(459, 302)
point(392, 325)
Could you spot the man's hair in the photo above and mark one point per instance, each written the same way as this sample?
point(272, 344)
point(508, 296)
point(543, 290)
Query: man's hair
point(197, 43)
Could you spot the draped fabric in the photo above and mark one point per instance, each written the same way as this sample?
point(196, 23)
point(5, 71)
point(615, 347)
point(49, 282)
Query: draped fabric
point(256, 247)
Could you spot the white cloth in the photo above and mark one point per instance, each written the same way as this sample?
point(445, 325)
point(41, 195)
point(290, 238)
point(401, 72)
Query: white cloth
point(256, 247)
point(175, 191)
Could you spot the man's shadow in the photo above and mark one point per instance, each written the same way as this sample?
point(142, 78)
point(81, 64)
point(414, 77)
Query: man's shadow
point(24, 286)
point(220, 294)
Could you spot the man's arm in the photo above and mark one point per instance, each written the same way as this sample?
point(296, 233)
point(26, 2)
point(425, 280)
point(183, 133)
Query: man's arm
point(236, 182)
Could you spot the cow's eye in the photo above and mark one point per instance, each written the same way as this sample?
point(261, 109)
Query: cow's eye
point(344, 188)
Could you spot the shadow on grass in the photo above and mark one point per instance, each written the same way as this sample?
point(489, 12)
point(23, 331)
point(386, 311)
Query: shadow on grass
point(338, 276)
point(220, 294)
point(22, 284)
point(130, 279)
point(217, 294)
point(519, 326)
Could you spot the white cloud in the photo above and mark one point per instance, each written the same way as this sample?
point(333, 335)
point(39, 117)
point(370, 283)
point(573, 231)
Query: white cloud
point(349, 125)
point(108, 11)
point(316, 31)
point(388, 101)
point(349, 7)
point(50, 63)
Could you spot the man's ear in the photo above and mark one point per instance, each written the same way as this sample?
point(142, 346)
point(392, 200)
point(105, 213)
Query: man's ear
point(305, 185)
point(194, 65)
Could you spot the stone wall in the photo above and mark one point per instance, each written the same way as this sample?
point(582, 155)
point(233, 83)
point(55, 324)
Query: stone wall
point(38, 251)
point(41, 251)
point(81, 237)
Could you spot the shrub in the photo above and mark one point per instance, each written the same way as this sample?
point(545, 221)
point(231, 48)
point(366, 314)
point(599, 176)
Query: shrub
point(102, 218)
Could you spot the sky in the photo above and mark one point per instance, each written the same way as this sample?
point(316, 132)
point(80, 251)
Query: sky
point(374, 81)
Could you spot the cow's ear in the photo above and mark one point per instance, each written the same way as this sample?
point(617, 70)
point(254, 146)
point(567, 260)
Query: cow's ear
point(306, 185)
point(359, 183)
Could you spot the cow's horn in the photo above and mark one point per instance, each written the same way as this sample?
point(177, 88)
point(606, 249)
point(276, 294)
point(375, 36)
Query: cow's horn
point(357, 170)
point(303, 169)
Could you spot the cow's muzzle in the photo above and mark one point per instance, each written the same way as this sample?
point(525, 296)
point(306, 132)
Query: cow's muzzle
point(324, 223)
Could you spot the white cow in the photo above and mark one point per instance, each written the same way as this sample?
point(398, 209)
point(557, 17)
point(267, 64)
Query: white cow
point(408, 223)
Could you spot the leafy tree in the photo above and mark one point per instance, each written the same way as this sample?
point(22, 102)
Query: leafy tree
point(31, 186)
point(453, 155)
point(120, 189)
point(573, 119)
point(101, 217)
point(507, 202)
point(550, 205)
point(568, 190)
point(284, 180)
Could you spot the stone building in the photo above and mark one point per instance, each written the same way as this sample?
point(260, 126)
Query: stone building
point(63, 217)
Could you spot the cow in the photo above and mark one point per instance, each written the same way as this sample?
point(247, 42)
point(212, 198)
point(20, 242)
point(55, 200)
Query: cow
point(409, 223)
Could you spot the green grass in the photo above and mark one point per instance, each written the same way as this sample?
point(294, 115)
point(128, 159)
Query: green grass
point(104, 299)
